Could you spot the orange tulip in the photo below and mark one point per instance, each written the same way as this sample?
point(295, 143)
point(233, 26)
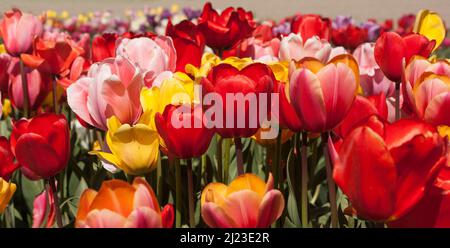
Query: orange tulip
point(119, 204)
point(247, 202)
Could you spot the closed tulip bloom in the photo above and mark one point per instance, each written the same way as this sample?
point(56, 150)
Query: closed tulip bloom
point(112, 87)
point(323, 95)
point(190, 139)
point(385, 169)
point(43, 210)
point(18, 31)
point(38, 83)
point(253, 80)
point(7, 163)
point(104, 46)
point(118, 204)
point(5, 61)
point(188, 41)
point(41, 145)
point(152, 56)
point(391, 49)
point(311, 25)
point(134, 149)
point(7, 190)
point(53, 56)
point(294, 47)
point(415, 71)
point(247, 202)
point(223, 31)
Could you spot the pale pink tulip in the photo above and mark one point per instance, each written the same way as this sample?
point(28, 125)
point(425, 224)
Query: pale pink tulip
point(18, 31)
point(112, 87)
point(247, 202)
point(293, 47)
point(152, 56)
point(41, 213)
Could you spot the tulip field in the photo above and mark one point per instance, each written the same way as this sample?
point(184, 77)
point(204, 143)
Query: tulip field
point(214, 118)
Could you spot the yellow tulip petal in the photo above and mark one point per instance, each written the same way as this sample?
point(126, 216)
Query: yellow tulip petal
point(430, 24)
point(214, 192)
point(247, 181)
point(444, 131)
point(113, 124)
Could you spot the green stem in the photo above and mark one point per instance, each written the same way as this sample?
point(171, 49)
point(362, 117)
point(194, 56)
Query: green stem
point(190, 194)
point(276, 163)
point(159, 179)
point(51, 183)
point(26, 97)
point(330, 181)
point(397, 101)
point(304, 152)
point(239, 157)
point(226, 161)
point(178, 196)
point(219, 158)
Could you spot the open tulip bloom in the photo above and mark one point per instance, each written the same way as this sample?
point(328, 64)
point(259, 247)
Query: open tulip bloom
point(178, 117)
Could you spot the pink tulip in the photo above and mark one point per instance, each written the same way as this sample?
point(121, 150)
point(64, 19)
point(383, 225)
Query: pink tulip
point(112, 87)
point(18, 31)
point(39, 85)
point(323, 99)
point(152, 56)
point(373, 81)
point(293, 47)
point(40, 205)
point(247, 202)
point(414, 72)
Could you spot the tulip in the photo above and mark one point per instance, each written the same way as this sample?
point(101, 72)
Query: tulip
point(373, 81)
point(191, 139)
point(224, 31)
point(247, 202)
point(104, 46)
point(40, 209)
point(7, 164)
point(153, 57)
point(52, 56)
point(39, 86)
point(293, 48)
point(18, 31)
point(111, 88)
point(434, 208)
point(322, 95)
point(414, 73)
point(252, 80)
point(311, 25)
point(189, 43)
point(134, 149)
point(391, 49)
point(405, 24)
point(6, 192)
point(119, 204)
point(5, 61)
point(431, 98)
point(41, 145)
point(430, 25)
point(349, 37)
point(79, 67)
point(385, 169)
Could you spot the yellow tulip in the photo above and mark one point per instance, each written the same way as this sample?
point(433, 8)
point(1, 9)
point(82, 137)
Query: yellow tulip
point(2, 49)
point(6, 192)
point(179, 89)
point(6, 108)
point(430, 24)
point(134, 149)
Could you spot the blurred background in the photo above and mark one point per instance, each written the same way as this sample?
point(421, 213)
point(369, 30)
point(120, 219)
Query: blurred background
point(263, 9)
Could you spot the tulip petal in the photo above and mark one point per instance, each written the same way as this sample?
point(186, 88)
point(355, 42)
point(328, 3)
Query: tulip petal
point(241, 207)
point(103, 219)
point(271, 208)
point(144, 217)
point(215, 217)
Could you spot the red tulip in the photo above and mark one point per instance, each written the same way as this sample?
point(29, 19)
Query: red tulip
point(434, 208)
point(18, 31)
point(184, 141)
point(53, 56)
point(7, 164)
point(360, 112)
point(223, 31)
point(349, 37)
point(311, 25)
point(385, 170)
point(41, 145)
point(252, 80)
point(189, 43)
point(406, 24)
point(104, 46)
point(391, 49)
point(5, 61)
point(287, 116)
